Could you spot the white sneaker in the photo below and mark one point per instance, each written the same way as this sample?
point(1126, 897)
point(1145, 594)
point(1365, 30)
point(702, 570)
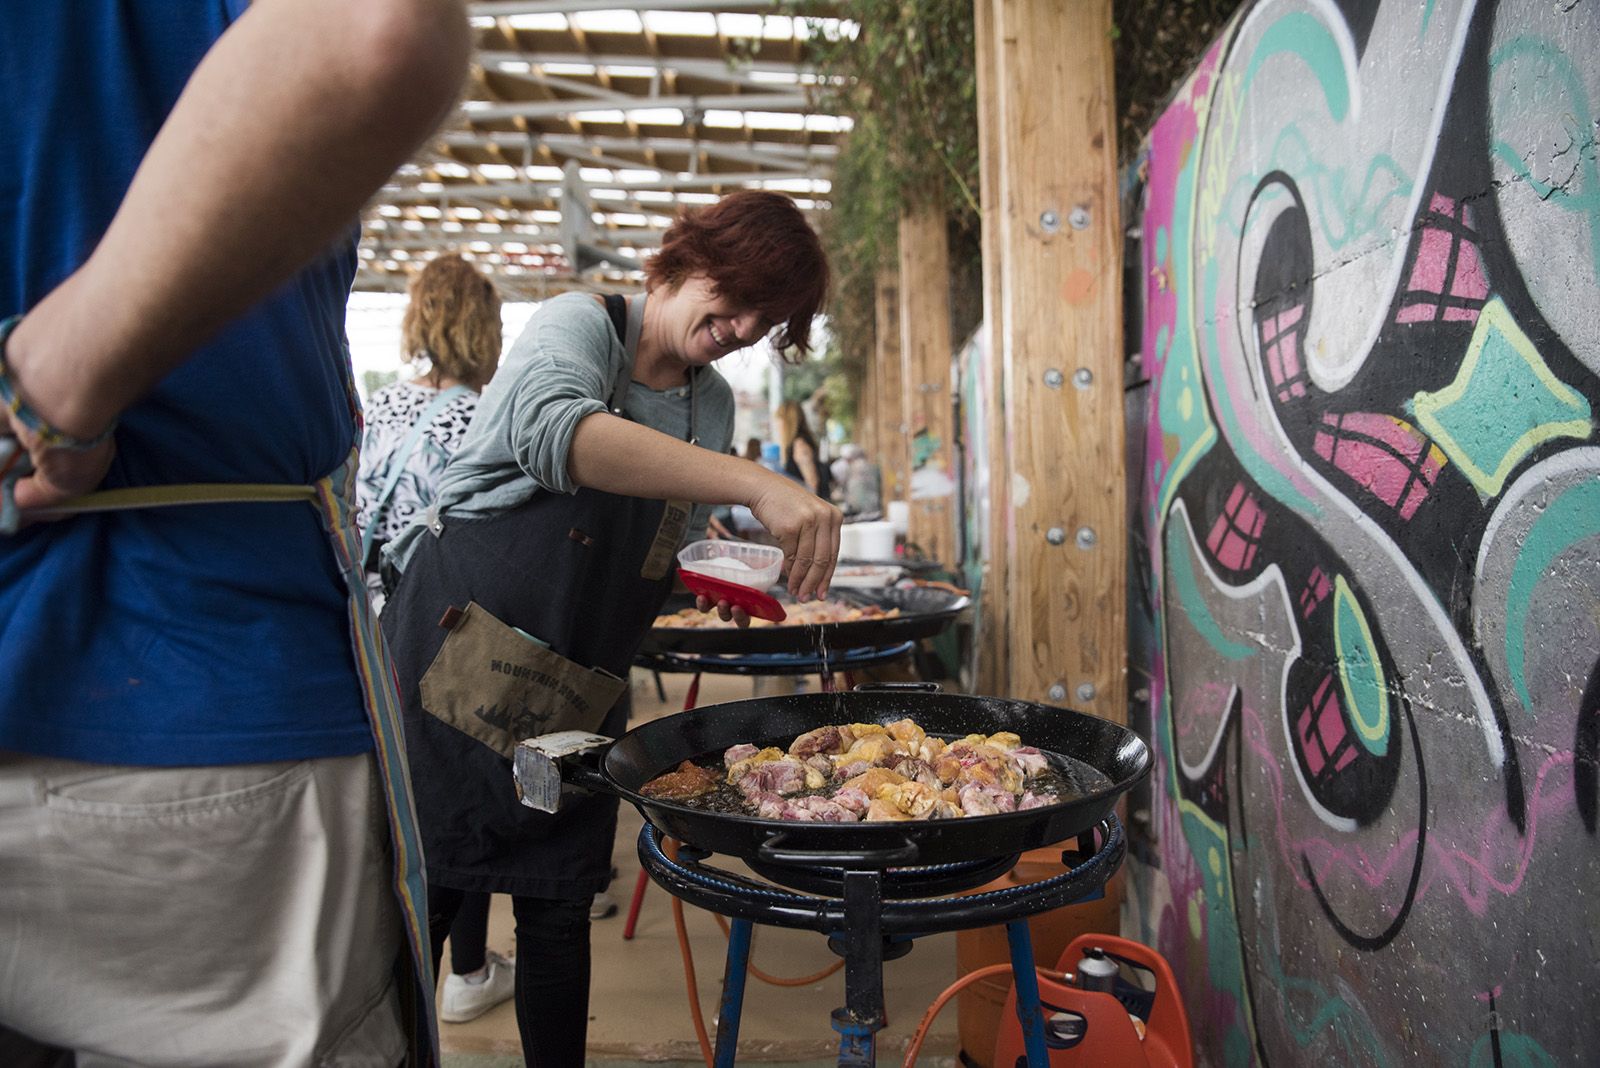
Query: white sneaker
point(603, 907)
point(465, 1001)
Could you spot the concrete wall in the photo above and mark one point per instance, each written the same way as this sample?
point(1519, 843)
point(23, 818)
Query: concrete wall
point(1371, 500)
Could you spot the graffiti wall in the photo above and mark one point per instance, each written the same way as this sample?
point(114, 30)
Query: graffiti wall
point(1371, 493)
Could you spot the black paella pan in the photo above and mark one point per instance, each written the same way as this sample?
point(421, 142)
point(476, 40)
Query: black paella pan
point(1105, 759)
point(924, 613)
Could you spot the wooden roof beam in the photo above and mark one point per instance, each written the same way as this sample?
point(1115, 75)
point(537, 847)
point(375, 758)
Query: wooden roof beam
point(551, 109)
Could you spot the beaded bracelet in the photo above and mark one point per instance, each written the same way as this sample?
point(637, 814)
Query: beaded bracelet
point(11, 399)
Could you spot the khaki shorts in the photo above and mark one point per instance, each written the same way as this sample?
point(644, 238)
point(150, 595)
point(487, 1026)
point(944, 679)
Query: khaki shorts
point(235, 915)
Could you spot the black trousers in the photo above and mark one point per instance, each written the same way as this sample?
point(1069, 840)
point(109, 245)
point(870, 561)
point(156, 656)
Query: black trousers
point(552, 994)
point(469, 934)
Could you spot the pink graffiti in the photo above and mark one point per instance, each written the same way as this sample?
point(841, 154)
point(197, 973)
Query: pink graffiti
point(1447, 257)
point(1388, 457)
point(1203, 708)
point(1281, 342)
point(1173, 142)
point(1236, 534)
point(1316, 591)
point(1470, 875)
point(1323, 735)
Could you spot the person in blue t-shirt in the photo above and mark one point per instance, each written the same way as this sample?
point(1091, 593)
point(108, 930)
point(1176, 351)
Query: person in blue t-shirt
point(206, 854)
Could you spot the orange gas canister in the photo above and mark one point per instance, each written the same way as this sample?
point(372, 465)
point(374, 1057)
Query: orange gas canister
point(1101, 1018)
point(980, 1005)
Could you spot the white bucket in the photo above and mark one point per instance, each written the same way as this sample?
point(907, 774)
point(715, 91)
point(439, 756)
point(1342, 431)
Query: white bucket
point(867, 541)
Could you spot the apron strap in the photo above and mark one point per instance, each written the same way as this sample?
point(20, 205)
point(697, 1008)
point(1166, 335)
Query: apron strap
point(397, 464)
point(627, 320)
point(119, 500)
point(615, 305)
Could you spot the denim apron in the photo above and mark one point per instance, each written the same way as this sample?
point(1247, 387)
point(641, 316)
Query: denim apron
point(582, 576)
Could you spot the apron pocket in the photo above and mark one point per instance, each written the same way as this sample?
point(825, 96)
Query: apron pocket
point(495, 684)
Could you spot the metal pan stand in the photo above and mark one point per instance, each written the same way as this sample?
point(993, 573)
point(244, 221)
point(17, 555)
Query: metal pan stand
point(867, 926)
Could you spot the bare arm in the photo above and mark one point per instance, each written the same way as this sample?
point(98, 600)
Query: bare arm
point(296, 115)
point(619, 456)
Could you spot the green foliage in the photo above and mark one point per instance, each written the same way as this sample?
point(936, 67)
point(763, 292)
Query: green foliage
point(801, 380)
point(908, 81)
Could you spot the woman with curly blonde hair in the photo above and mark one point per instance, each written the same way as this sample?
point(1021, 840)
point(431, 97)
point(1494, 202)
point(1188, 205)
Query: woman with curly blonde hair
point(453, 324)
point(451, 333)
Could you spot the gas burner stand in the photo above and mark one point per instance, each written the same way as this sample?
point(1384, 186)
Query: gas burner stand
point(871, 912)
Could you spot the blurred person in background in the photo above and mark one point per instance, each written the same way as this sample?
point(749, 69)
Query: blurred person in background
point(863, 486)
point(801, 459)
point(451, 330)
point(818, 408)
point(207, 848)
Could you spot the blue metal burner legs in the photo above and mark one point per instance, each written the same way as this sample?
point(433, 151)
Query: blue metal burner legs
point(733, 979)
point(1029, 1012)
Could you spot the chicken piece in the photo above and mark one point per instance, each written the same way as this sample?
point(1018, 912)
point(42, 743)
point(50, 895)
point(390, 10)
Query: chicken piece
point(930, 748)
point(862, 730)
point(768, 806)
point(783, 777)
point(1028, 762)
point(851, 770)
point(825, 740)
point(1003, 740)
point(761, 756)
point(975, 801)
point(919, 770)
point(737, 753)
point(906, 732)
point(822, 766)
point(1033, 800)
point(945, 810)
point(912, 798)
point(978, 799)
point(878, 749)
point(869, 781)
point(683, 782)
point(819, 810)
point(852, 799)
point(947, 765)
point(883, 811)
point(968, 761)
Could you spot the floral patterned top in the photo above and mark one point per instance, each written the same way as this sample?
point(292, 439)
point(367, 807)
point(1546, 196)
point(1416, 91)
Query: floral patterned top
point(390, 415)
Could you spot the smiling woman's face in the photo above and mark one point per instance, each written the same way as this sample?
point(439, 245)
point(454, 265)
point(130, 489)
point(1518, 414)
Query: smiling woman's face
point(699, 326)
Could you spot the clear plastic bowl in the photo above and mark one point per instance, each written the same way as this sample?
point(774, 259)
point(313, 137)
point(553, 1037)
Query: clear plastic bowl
point(744, 562)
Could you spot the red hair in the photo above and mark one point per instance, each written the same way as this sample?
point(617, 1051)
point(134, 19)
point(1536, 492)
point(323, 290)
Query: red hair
point(759, 252)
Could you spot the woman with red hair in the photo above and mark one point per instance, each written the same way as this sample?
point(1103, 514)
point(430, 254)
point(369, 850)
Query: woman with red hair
point(599, 448)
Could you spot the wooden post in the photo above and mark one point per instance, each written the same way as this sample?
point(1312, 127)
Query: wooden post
point(894, 453)
point(867, 433)
point(994, 647)
point(1061, 342)
point(926, 355)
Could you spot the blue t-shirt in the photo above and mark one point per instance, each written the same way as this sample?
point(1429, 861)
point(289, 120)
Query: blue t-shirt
point(179, 636)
